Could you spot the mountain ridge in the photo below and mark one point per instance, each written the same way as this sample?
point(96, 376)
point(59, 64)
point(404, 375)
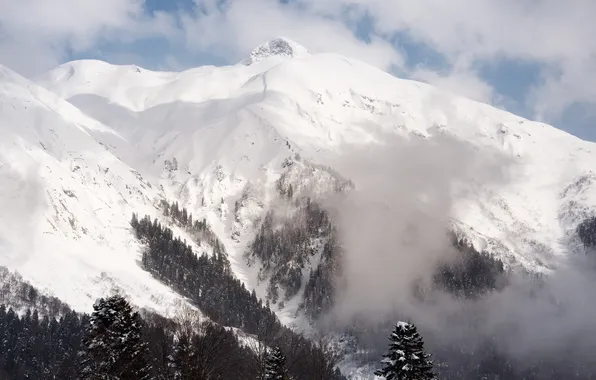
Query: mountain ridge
point(210, 137)
point(64, 202)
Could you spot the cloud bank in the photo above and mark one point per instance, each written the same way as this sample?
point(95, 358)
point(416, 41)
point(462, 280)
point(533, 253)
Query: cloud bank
point(463, 37)
point(393, 227)
point(393, 235)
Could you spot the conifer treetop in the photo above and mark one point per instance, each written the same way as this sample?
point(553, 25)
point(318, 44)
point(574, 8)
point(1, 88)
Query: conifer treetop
point(406, 359)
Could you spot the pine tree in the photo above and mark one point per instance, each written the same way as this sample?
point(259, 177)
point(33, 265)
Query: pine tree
point(406, 359)
point(275, 366)
point(113, 347)
point(183, 359)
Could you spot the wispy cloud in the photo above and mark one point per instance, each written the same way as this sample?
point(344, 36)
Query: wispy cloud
point(556, 36)
point(553, 33)
point(240, 25)
point(38, 34)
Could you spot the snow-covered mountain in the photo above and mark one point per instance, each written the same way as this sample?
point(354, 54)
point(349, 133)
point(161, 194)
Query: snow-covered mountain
point(66, 200)
point(92, 142)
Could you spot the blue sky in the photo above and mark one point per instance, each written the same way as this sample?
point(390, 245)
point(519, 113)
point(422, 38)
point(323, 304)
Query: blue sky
point(535, 58)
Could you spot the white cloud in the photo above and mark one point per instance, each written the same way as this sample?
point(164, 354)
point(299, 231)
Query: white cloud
point(36, 35)
point(553, 33)
point(244, 24)
point(465, 83)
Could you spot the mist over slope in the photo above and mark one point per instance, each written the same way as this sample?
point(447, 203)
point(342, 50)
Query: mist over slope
point(283, 140)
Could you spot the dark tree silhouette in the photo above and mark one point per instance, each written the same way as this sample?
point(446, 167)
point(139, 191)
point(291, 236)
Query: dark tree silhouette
point(586, 231)
point(406, 359)
point(472, 273)
point(113, 347)
point(209, 283)
point(275, 365)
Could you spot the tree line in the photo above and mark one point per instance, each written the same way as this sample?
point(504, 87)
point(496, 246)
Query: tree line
point(208, 282)
point(36, 347)
point(115, 342)
point(199, 230)
point(586, 231)
point(15, 291)
point(285, 251)
point(471, 273)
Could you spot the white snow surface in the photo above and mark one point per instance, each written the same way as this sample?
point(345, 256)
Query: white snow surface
point(92, 142)
point(66, 201)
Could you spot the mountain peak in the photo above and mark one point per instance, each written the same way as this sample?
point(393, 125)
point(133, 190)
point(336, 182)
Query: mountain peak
point(280, 47)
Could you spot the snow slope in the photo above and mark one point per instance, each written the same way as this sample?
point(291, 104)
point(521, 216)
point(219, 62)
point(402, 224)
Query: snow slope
point(216, 138)
point(66, 201)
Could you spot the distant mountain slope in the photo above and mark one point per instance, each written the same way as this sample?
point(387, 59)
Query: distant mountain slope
point(230, 127)
point(66, 201)
point(274, 155)
point(218, 140)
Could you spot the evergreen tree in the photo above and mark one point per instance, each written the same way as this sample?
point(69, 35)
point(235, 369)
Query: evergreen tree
point(183, 358)
point(406, 359)
point(275, 366)
point(586, 231)
point(208, 281)
point(113, 347)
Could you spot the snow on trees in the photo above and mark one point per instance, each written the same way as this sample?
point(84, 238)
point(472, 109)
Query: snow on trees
point(406, 359)
point(113, 347)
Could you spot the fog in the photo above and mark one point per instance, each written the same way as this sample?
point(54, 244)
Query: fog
point(393, 226)
point(393, 234)
point(21, 200)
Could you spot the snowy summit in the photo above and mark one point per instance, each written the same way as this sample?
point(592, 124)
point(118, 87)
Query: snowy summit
point(279, 47)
